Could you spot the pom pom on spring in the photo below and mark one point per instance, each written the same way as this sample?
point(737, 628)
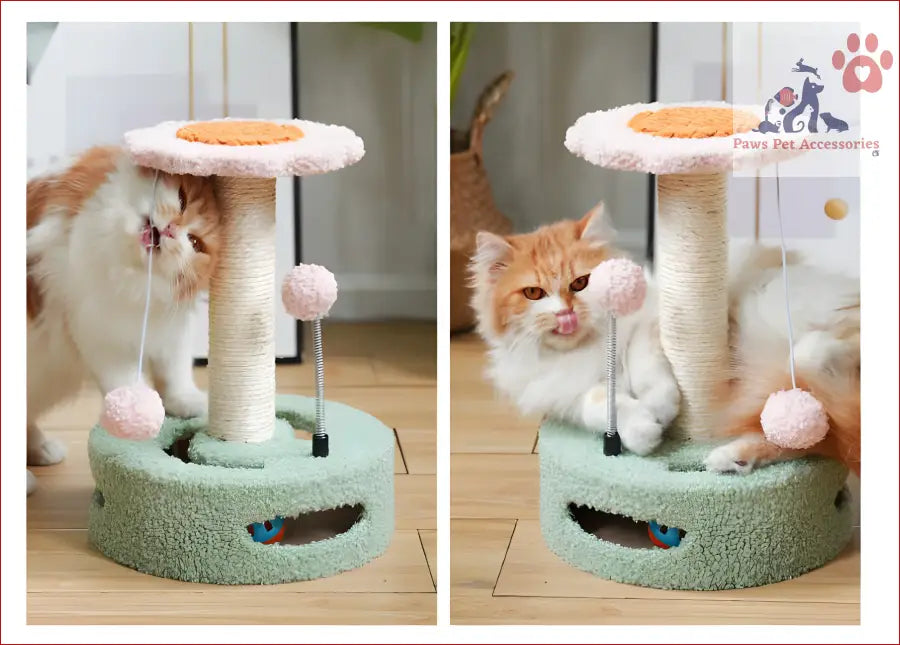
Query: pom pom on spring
point(618, 286)
point(308, 291)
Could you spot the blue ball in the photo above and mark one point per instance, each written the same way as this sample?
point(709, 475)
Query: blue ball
point(268, 532)
point(665, 537)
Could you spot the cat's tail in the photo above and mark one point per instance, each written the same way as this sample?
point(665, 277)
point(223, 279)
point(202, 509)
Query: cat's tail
point(743, 398)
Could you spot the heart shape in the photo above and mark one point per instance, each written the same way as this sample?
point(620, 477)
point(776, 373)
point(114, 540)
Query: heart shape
point(862, 72)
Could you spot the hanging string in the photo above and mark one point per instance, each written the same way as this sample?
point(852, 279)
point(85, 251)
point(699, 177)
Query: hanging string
point(140, 365)
point(784, 274)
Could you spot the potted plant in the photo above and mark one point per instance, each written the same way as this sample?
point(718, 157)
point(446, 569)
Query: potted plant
point(472, 207)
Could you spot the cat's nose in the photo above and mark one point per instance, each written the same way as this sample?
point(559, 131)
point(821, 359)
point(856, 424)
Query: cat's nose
point(169, 230)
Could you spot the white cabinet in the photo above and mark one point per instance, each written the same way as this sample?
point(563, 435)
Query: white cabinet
point(95, 81)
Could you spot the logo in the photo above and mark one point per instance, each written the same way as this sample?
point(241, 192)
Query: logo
point(791, 111)
point(796, 110)
point(862, 72)
point(799, 111)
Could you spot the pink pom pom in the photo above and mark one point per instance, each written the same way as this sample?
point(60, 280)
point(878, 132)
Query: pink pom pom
point(308, 291)
point(794, 419)
point(618, 286)
point(133, 412)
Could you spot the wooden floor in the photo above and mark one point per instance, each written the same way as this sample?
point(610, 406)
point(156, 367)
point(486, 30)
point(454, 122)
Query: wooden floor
point(387, 370)
point(501, 572)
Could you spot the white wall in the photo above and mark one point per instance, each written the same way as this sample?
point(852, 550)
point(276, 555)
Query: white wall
point(562, 71)
point(374, 224)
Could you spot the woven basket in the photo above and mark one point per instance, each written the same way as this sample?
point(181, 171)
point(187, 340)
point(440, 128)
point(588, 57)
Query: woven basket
point(472, 207)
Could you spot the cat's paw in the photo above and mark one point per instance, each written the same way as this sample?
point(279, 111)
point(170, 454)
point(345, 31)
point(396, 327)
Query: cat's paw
point(47, 452)
point(30, 482)
point(641, 433)
point(186, 403)
point(664, 403)
point(729, 458)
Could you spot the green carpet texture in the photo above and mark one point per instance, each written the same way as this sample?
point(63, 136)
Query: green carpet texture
point(187, 520)
point(749, 530)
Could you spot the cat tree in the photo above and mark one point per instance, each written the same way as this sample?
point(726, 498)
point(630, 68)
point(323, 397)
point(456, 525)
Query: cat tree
point(738, 531)
point(180, 505)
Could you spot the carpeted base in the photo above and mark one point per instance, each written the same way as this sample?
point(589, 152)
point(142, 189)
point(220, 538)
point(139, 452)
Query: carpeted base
point(739, 531)
point(158, 510)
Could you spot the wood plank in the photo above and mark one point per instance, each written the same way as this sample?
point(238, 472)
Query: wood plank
point(403, 568)
point(474, 610)
point(531, 569)
point(477, 550)
point(242, 608)
point(494, 486)
point(481, 420)
point(416, 502)
point(419, 446)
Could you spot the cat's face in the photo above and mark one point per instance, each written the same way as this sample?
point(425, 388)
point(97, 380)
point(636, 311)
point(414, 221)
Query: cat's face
point(185, 234)
point(530, 287)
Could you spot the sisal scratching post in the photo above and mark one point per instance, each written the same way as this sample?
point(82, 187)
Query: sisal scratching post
point(728, 532)
point(241, 313)
point(262, 508)
point(692, 252)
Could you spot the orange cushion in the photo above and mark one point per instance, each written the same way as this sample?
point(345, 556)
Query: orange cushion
point(239, 133)
point(693, 122)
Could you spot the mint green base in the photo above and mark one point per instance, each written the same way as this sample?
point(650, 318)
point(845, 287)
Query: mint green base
point(742, 531)
point(188, 521)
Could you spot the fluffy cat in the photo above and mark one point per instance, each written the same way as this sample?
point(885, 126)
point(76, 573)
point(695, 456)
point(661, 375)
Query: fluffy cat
point(825, 312)
point(547, 347)
point(88, 242)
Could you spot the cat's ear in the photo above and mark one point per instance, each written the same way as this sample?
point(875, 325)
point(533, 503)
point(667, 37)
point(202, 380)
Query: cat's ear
point(595, 226)
point(491, 253)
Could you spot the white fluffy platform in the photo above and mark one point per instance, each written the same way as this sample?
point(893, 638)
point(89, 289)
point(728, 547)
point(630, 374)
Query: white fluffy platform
point(322, 148)
point(603, 138)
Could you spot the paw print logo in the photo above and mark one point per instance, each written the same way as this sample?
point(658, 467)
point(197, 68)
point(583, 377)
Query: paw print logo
point(862, 72)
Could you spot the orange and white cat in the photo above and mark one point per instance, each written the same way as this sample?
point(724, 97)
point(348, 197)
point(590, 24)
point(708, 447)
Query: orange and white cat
point(547, 346)
point(88, 243)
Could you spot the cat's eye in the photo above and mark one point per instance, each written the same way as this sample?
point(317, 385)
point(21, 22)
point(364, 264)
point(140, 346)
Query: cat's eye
point(182, 198)
point(533, 293)
point(579, 283)
point(196, 243)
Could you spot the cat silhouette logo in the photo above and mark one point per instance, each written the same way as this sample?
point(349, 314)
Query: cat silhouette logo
point(801, 111)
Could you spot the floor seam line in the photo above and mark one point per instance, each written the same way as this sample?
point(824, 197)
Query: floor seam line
point(400, 448)
point(506, 553)
point(427, 563)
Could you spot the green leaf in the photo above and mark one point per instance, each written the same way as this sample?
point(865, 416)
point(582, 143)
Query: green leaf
point(411, 31)
point(460, 40)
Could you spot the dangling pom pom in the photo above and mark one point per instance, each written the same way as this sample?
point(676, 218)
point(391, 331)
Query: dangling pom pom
point(133, 412)
point(618, 286)
point(308, 291)
point(794, 419)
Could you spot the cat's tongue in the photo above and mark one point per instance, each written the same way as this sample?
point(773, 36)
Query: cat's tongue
point(566, 322)
point(149, 237)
